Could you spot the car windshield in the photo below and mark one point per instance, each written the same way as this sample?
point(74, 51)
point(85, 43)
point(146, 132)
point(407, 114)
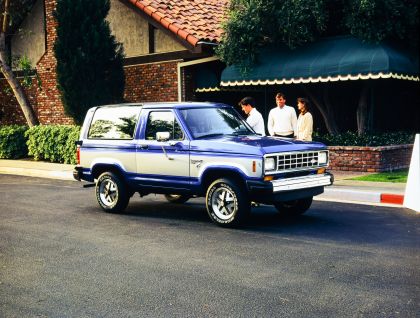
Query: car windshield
point(212, 122)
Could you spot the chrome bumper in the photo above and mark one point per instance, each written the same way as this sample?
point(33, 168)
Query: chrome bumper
point(311, 181)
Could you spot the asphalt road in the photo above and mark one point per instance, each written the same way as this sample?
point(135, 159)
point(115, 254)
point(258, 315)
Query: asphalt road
point(61, 256)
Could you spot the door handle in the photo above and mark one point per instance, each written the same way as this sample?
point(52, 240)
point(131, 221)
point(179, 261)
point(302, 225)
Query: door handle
point(144, 146)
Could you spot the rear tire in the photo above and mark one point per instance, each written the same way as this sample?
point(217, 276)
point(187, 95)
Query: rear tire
point(227, 203)
point(294, 207)
point(177, 198)
point(111, 193)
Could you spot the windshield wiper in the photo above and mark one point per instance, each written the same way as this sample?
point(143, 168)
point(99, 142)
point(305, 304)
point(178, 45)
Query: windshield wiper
point(242, 133)
point(209, 135)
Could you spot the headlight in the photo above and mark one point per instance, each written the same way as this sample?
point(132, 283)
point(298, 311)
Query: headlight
point(269, 164)
point(322, 157)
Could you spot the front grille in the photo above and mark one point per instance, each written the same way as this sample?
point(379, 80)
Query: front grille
point(293, 161)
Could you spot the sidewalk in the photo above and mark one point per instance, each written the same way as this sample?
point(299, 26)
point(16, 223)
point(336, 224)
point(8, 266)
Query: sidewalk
point(343, 190)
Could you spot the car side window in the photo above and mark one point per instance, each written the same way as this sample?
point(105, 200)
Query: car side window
point(114, 123)
point(160, 121)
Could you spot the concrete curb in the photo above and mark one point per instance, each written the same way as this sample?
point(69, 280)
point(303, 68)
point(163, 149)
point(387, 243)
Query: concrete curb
point(351, 194)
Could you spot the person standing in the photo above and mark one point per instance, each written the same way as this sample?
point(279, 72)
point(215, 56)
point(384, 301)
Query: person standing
point(282, 119)
point(305, 121)
point(254, 119)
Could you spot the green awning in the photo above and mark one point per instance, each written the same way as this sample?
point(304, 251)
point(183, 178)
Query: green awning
point(206, 79)
point(327, 60)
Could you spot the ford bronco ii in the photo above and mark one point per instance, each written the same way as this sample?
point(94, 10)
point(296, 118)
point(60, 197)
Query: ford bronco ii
point(191, 149)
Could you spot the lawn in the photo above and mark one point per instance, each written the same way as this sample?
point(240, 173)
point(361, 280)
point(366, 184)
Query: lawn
point(394, 176)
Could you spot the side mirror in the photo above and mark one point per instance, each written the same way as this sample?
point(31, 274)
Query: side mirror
point(163, 136)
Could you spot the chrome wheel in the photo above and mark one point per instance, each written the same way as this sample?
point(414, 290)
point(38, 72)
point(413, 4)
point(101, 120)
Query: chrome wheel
point(227, 203)
point(224, 203)
point(112, 193)
point(108, 192)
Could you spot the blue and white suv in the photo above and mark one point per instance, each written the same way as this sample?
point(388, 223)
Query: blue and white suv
point(191, 149)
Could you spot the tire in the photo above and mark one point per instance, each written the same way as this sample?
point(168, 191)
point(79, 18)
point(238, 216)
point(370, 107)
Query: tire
point(294, 207)
point(177, 198)
point(111, 193)
point(226, 202)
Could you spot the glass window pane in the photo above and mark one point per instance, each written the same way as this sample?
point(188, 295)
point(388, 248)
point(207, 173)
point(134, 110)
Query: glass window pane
point(114, 122)
point(163, 122)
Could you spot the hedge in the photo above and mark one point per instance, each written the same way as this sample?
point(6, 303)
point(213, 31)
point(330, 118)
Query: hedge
point(370, 140)
point(54, 143)
point(13, 142)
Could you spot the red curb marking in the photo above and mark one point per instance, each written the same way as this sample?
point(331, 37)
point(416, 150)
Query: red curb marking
point(392, 198)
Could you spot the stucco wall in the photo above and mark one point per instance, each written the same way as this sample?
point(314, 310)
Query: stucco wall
point(164, 43)
point(129, 28)
point(132, 30)
point(30, 40)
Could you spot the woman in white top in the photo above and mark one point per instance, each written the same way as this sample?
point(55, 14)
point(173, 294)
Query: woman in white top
point(304, 126)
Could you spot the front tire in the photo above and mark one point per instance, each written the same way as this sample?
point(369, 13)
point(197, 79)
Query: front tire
point(227, 203)
point(177, 198)
point(111, 193)
point(294, 207)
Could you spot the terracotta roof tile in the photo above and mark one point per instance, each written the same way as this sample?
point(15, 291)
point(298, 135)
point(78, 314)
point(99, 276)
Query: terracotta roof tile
point(191, 20)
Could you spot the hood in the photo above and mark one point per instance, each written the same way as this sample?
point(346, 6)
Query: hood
point(252, 145)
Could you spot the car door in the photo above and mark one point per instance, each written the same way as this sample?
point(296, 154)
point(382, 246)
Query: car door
point(165, 162)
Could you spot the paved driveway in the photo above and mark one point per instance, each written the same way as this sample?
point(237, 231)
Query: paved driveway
point(60, 256)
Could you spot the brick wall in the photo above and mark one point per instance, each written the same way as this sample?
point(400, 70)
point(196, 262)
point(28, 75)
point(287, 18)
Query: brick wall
point(10, 112)
point(370, 159)
point(50, 108)
point(151, 82)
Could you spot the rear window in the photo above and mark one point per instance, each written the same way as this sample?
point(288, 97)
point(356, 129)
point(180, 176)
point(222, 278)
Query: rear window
point(114, 122)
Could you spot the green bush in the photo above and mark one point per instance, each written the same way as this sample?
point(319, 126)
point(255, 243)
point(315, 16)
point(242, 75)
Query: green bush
point(13, 142)
point(373, 140)
point(55, 143)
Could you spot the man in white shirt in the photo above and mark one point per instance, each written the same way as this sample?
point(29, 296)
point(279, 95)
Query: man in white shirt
point(254, 119)
point(282, 119)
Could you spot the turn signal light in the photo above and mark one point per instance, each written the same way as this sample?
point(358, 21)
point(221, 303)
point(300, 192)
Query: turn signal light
point(320, 171)
point(268, 178)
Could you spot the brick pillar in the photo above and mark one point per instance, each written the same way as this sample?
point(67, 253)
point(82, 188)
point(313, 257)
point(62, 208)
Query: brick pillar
point(50, 108)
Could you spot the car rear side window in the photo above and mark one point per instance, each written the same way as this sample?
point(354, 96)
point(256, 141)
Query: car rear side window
point(114, 122)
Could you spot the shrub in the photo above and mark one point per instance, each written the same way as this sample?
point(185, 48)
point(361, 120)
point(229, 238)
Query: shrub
point(372, 140)
point(12, 142)
point(55, 143)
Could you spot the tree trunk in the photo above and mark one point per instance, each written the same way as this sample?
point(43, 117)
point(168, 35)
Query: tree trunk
point(325, 109)
point(363, 111)
point(18, 91)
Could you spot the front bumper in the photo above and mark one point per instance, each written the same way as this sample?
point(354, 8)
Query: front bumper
point(310, 181)
point(289, 188)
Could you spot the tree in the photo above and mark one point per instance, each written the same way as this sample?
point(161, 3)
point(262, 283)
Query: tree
point(89, 59)
point(253, 24)
point(16, 10)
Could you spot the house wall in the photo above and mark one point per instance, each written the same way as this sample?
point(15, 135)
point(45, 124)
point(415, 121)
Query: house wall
point(164, 43)
point(30, 40)
point(144, 82)
point(132, 30)
point(129, 29)
point(151, 82)
point(10, 112)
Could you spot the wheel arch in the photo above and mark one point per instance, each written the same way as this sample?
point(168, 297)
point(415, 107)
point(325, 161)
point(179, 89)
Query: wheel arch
point(100, 168)
point(213, 174)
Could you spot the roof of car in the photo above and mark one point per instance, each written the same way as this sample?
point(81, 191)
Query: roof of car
point(168, 105)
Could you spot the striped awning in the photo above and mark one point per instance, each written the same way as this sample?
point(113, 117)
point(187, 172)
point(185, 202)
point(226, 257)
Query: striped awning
point(328, 60)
